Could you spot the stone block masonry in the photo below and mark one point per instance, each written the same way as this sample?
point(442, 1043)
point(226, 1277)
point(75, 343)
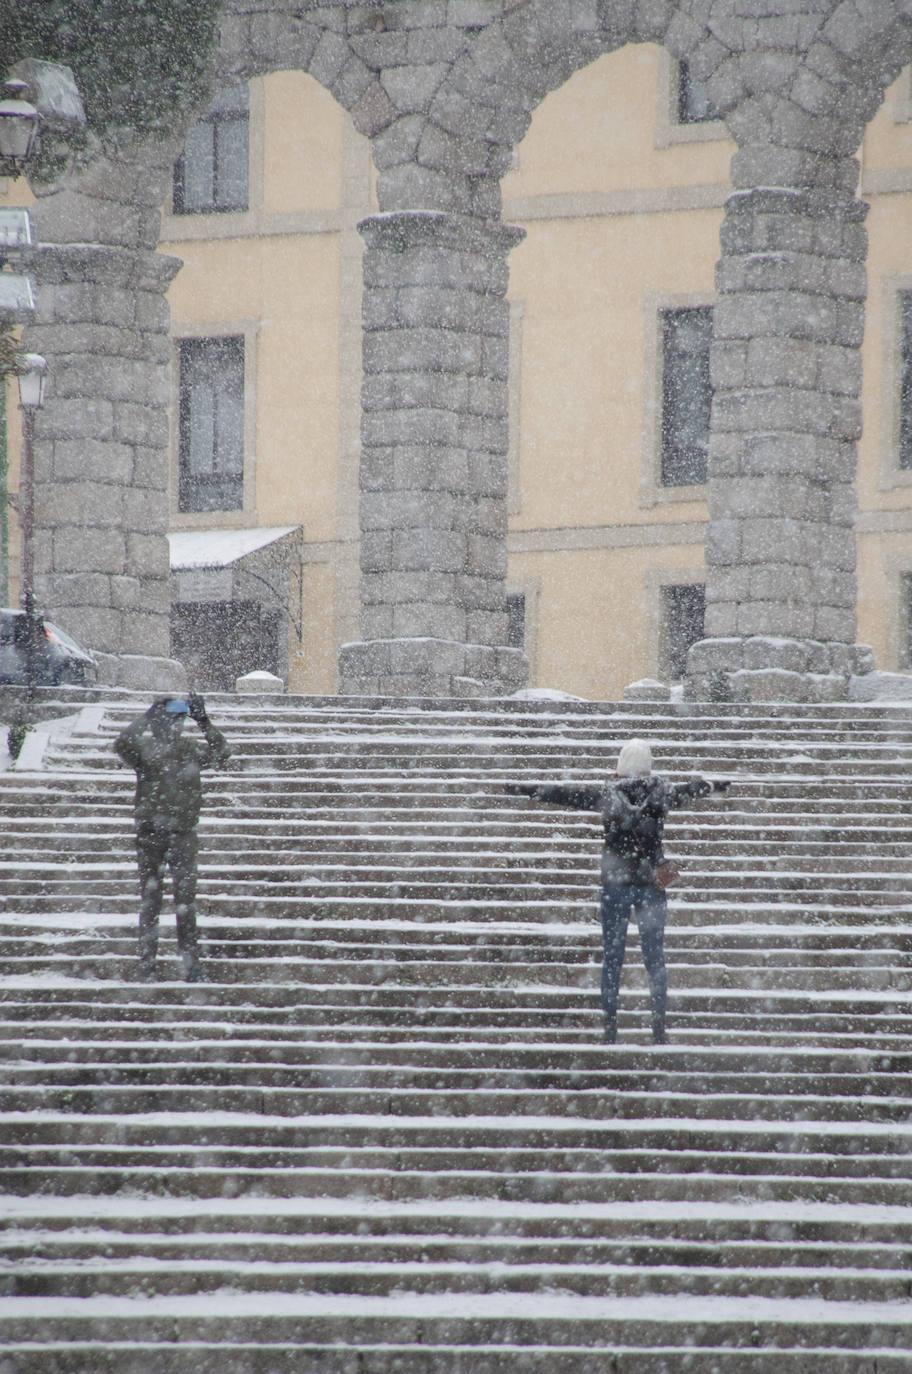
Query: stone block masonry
point(107, 406)
point(786, 413)
point(434, 408)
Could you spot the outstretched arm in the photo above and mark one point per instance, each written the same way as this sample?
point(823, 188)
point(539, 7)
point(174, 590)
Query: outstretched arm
point(683, 792)
point(574, 798)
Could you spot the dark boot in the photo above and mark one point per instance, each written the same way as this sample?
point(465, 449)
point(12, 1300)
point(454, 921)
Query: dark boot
point(610, 1032)
point(658, 1030)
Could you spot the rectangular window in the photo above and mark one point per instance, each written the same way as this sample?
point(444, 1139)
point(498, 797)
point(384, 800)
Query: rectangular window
point(694, 104)
point(211, 445)
point(905, 384)
point(683, 616)
point(516, 620)
point(211, 174)
point(686, 395)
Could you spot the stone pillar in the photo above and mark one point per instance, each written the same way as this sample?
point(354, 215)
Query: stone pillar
point(786, 369)
point(433, 464)
point(102, 439)
point(101, 469)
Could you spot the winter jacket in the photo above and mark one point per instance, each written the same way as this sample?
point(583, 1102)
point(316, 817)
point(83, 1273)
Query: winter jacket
point(169, 789)
point(633, 812)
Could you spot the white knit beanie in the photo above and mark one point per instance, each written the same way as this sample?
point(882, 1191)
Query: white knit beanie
point(635, 759)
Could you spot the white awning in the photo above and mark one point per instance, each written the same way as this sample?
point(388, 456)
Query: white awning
point(221, 548)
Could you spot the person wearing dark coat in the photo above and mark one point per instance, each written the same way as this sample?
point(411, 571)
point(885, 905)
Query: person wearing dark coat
point(166, 809)
point(633, 808)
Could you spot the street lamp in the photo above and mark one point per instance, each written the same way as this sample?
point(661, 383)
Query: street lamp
point(19, 121)
point(32, 375)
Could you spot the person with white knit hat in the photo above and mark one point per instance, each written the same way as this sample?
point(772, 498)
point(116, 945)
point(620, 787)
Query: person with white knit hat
point(633, 807)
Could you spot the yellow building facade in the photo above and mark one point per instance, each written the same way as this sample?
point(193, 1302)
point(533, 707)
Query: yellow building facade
point(621, 201)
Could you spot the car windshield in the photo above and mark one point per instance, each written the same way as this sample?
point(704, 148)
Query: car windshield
point(55, 632)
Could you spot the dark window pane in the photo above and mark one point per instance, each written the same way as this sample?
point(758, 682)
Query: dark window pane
point(211, 424)
point(212, 172)
point(231, 162)
point(684, 613)
point(905, 394)
point(219, 641)
point(686, 395)
point(516, 620)
point(197, 169)
point(694, 104)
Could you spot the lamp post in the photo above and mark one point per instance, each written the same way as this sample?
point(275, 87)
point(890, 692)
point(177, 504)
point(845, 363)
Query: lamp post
point(19, 120)
point(32, 374)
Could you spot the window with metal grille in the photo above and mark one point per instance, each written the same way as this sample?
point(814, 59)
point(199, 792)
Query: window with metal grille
point(212, 173)
point(211, 447)
point(686, 394)
point(683, 616)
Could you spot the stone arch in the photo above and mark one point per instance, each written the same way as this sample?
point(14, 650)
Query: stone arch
point(796, 92)
point(433, 549)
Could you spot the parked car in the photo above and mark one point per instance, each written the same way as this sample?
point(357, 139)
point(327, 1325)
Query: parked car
point(58, 658)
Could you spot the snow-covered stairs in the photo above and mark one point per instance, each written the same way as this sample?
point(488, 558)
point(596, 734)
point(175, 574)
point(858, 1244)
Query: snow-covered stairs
point(384, 1136)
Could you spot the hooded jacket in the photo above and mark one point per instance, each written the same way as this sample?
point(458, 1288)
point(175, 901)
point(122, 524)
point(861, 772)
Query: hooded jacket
point(169, 789)
point(633, 812)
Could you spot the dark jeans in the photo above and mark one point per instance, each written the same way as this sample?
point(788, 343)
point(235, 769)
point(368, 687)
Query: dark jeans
point(156, 848)
point(650, 906)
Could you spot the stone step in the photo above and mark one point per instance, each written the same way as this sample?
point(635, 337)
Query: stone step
point(535, 1187)
point(692, 906)
point(814, 943)
point(350, 1221)
point(874, 1029)
point(307, 951)
point(518, 869)
point(743, 767)
point(83, 1094)
point(416, 1320)
point(416, 817)
point(96, 1162)
point(196, 1357)
point(739, 1256)
point(861, 1071)
point(274, 854)
point(55, 1279)
point(834, 1144)
point(441, 1076)
point(581, 1066)
point(435, 974)
point(524, 1008)
point(684, 726)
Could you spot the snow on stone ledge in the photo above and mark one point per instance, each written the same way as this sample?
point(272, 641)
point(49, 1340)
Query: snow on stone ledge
point(543, 694)
point(880, 686)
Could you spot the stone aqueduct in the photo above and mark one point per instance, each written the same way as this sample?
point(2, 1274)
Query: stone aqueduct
point(445, 89)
